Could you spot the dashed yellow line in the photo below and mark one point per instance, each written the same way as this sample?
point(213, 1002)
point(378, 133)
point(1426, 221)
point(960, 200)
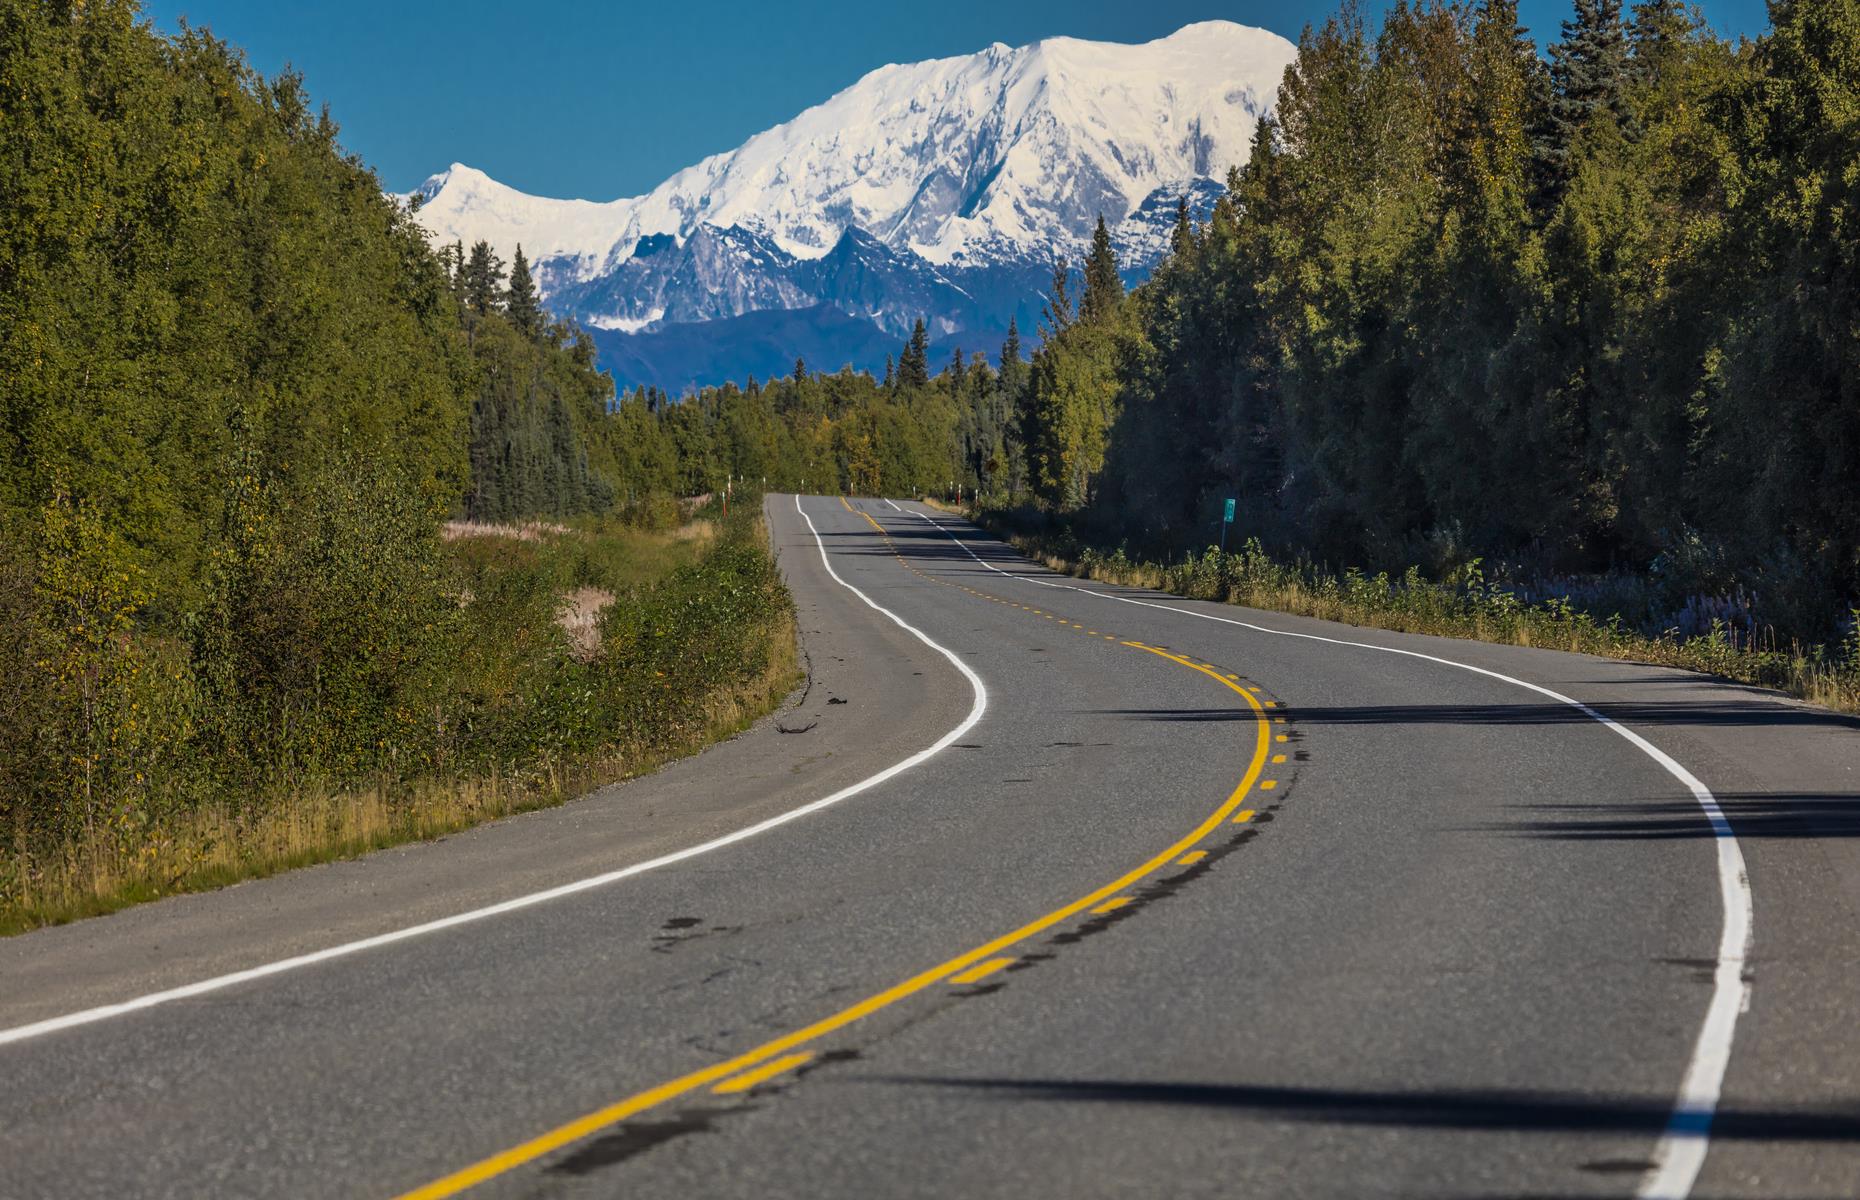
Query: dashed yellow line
point(1243, 816)
point(1112, 905)
point(1191, 858)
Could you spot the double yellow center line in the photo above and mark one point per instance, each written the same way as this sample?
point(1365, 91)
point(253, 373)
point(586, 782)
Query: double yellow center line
point(785, 1053)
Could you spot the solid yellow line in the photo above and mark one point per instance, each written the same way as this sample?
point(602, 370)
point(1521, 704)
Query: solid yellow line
point(848, 504)
point(1112, 905)
point(594, 1122)
point(1191, 858)
point(978, 973)
point(766, 1071)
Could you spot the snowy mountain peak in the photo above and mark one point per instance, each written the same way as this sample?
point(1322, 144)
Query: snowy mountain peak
point(996, 161)
point(1005, 150)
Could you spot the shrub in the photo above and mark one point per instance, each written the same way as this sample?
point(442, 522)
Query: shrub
point(328, 624)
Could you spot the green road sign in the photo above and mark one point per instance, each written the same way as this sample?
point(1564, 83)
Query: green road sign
point(1229, 518)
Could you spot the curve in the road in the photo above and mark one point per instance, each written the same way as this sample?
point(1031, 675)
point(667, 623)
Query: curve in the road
point(103, 1012)
point(1680, 1152)
point(779, 1055)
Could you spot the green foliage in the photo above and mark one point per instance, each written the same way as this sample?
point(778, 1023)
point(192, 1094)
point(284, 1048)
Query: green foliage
point(539, 427)
point(1563, 319)
point(327, 626)
point(482, 280)
point(521, 304)
point(110, 711)
point(240, 394)
point(184, 241)
point(914, 363)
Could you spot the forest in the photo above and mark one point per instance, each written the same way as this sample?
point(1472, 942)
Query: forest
point(1575, 329)
point(1583, 321)
point(256, 437)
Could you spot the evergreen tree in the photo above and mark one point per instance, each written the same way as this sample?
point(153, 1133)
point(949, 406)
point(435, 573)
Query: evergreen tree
point(456, 262)
point(914, 363)
point(1183, 234)
point(888, 373)
point(1588, 81)
point(800, 370)
point(521, 305)
point(1057, 313)
point(1104, 288)
point(484, 280)
point(1657, 38)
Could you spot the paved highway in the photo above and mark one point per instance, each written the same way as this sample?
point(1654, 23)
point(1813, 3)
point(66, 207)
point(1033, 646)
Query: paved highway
point(1040, 889)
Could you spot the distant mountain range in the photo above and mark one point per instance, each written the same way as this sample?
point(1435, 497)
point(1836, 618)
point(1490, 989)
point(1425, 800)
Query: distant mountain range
point(942, 190)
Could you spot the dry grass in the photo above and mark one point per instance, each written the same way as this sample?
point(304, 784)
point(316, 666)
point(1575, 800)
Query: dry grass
point(213, 848)
point(580, 619)
point(529, 531)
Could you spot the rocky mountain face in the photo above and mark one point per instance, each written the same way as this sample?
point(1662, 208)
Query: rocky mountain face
point(942, 189)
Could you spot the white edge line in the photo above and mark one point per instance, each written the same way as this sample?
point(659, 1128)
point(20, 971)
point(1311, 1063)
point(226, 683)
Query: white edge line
point(888, 500)
point(104, 1012)
point(1681, 1150)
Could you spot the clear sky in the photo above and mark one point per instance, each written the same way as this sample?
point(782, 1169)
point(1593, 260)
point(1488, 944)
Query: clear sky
point(605, 99)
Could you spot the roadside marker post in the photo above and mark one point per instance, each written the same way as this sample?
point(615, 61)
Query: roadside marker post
point(1227, 518)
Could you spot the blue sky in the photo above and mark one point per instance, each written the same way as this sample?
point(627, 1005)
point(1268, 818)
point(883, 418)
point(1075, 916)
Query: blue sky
point(602, 100)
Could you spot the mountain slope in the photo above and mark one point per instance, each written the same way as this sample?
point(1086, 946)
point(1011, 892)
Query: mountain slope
point(933, 189)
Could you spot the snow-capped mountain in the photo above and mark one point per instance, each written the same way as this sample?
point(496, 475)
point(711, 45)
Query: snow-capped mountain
point(941, 189)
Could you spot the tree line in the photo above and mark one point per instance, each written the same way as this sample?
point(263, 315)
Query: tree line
point(1585, 315)
point(1596, 313)
point(239, 395)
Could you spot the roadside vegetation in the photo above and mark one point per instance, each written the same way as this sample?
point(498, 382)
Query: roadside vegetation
point(358, 682)
point(1466, 604)
point(311, 539)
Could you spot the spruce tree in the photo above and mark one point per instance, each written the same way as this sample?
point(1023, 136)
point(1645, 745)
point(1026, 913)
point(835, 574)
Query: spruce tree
point(1104, 288)
point(889, 371)
point(1588, 80)
point(484, 278)
point(914, 365)
point(1657, 36)
point(1058, 311)
point(800, 370)
point(457, 280)
point(521, 304)
point(1182, 236)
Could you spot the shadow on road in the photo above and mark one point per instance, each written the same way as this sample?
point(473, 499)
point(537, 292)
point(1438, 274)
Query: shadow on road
point(1752, 815)
point(1530, 1111)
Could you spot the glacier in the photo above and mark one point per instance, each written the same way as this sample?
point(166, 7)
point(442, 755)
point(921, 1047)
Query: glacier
point(942, 189)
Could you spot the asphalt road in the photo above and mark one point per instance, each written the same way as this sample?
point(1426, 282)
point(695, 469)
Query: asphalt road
point(1157, 898)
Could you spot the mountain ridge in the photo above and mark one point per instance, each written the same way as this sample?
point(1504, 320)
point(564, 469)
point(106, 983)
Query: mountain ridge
point(941, 189)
